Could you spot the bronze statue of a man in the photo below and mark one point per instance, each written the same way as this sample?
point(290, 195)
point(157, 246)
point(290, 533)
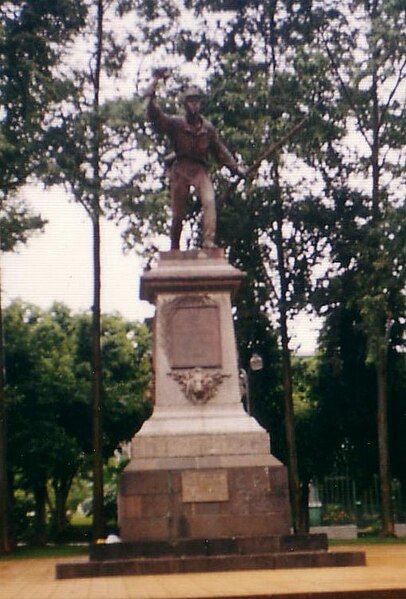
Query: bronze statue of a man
point(193, 139)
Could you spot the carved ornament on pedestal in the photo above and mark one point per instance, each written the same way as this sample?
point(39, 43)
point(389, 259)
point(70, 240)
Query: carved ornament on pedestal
point(199, 386)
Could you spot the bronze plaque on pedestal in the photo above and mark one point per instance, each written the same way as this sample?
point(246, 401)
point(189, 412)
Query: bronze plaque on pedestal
point(204, 486)
point(193, 325)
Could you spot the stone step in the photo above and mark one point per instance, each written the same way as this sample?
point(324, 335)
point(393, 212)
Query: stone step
point(209, 547)
point(206, 563)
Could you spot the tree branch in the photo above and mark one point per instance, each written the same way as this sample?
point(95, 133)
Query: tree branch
point(346, 92)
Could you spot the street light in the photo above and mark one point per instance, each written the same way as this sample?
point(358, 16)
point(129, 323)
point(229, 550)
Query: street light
point(256, 362)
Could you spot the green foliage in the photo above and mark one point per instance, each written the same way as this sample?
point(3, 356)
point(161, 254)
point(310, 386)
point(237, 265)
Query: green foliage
point(310, 432)
point(125, 374)
point(345, 390)
point(364, 297)
point(334, 515)
point(32, 35)
point(49, 387)
point(17, 223)
point(111, 477)
point(23, 510)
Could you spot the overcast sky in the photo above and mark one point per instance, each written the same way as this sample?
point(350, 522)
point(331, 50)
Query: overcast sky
point(57, 265)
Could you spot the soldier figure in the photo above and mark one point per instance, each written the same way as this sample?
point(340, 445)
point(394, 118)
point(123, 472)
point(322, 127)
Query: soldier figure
point(193, 139)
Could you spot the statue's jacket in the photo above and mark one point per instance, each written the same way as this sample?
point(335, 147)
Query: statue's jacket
point(191, 142)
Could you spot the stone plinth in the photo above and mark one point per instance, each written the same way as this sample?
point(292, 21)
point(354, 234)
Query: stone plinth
point(208, 555)
point(201, 467)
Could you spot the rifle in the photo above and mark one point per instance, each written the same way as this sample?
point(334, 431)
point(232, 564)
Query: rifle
point(268, 152)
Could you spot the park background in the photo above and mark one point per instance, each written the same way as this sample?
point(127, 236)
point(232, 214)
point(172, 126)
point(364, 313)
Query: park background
point(319, 229)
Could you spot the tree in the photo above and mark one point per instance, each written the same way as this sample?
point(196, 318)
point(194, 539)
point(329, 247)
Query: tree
point(343, 390)
point(29, 38)
point(16, 224)
point(80, 155)
point(49, 376)
point(312, 431)
point(367, 55)
point(283, 221)
point(40, 377)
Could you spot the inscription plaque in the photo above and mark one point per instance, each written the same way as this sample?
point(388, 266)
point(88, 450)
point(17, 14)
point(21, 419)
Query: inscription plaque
point(204, 486)
point(194, 334)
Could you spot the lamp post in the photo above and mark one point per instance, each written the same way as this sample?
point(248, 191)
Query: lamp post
point(256, 362)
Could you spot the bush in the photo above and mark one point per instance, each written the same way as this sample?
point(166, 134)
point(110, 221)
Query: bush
point(335, 515)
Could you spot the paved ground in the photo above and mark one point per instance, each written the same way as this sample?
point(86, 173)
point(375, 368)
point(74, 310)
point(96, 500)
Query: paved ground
point(384, 576)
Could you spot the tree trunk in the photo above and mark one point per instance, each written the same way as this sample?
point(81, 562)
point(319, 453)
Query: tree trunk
point(40, 496)
point(97, 429)
point(5, 537)
point(61, 491)
point(294, 484)
point(304, 512)
point(388, 527)
point(376, 211)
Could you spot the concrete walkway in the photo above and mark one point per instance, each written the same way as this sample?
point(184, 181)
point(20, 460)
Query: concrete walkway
point(383, 577)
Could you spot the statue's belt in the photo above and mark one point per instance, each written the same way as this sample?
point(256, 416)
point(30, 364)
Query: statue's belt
point(171, 158)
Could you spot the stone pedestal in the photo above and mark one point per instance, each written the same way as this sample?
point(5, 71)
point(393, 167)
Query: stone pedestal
point(201, 467)
point(202, 492)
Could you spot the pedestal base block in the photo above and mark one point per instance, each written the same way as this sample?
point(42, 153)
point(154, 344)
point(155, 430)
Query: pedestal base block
point(206, 502)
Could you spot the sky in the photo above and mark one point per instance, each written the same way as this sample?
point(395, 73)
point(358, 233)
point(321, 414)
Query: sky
point(57, 266)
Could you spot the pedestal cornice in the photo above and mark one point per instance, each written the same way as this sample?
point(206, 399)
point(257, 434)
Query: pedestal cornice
point(194, 270)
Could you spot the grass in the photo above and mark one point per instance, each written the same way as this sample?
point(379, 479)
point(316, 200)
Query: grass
point(49, 551)
point(74, 541)
point(72, 550)
point(77, 520)
point(369, 540)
